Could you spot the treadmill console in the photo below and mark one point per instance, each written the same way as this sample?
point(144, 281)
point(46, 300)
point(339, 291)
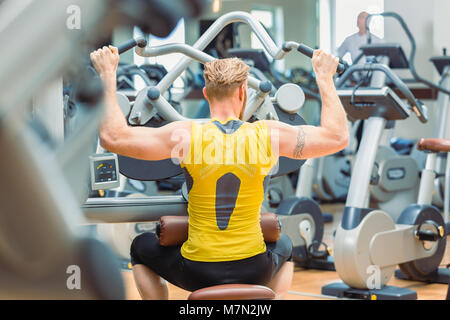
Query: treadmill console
point(440, 63)
point(364, 103)
point(395, 53)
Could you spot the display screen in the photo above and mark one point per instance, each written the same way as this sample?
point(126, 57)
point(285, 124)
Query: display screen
point(105, 171)
point(104, 176)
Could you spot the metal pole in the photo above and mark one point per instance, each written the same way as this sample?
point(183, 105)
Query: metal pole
point(365, 159)
point(305, 179)
point(427, 180)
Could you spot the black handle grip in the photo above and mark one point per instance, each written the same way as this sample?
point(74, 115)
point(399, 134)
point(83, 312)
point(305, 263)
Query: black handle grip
point(130, 44)
point(428, 235)
point(140, 42)
point(307, 51)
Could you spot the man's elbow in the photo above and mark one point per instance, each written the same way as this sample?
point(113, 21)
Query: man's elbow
point(109, 142)
point(106, 141)
point(342, 141)
point(339, 141)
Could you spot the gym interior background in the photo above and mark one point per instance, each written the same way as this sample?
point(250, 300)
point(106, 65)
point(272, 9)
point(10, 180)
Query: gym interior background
point(56, 202)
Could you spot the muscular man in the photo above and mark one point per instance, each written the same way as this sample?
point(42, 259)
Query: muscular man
point(352, 43)
point(226, 162)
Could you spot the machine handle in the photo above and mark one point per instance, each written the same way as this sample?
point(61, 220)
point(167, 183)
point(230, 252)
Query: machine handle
point(428, 235)
point(130, 44)
point(138, 42)
point(166, 109)
point(90, 86)
point(308, 51)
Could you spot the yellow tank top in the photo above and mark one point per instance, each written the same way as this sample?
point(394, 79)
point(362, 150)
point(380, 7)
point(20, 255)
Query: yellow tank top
point(226, 169)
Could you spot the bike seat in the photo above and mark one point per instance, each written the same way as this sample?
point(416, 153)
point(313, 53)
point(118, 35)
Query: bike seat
point(434, 145)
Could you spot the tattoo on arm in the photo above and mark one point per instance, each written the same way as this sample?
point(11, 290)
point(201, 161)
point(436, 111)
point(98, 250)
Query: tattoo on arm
point(300, 143)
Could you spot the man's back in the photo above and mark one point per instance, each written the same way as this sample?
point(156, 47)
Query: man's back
point(226, 169)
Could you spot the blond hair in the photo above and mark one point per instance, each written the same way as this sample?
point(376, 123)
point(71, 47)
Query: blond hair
point(223, 76)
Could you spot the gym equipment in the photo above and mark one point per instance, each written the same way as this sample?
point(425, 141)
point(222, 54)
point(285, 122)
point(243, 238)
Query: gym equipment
point(125, 81)
point(264, 70)
point(119, 236)
point(41, 246)
point(104, 171)
point(34, 261)
point(368, 243)
point(173, 231)
point(150, 105)
point(302, 77)
point(412, 53)
point(309, 251)
point(153, 101)
point(151, 74)
point(427, 270)
point(233, 292)
point(302, 220)
point(395, 180)
point(333, 176)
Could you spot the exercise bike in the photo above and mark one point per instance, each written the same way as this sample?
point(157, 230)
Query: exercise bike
point(370, 243)
point(395, 177)
point(441, 63)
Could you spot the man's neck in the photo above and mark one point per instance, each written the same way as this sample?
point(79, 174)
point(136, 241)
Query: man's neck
point(223, 110)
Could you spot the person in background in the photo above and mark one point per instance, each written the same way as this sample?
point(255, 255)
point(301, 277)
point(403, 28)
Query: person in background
point(354, 42)
point(352, 45)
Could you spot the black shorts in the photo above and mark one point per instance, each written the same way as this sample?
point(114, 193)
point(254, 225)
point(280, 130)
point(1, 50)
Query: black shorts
point(190, 275)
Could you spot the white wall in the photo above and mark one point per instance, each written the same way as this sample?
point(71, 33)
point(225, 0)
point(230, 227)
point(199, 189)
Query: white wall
point(419, 16)
point(429, 23)
point(441, 36)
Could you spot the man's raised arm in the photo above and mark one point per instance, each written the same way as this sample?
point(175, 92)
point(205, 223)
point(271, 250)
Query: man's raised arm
point(135, 142)
point(304, 142)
